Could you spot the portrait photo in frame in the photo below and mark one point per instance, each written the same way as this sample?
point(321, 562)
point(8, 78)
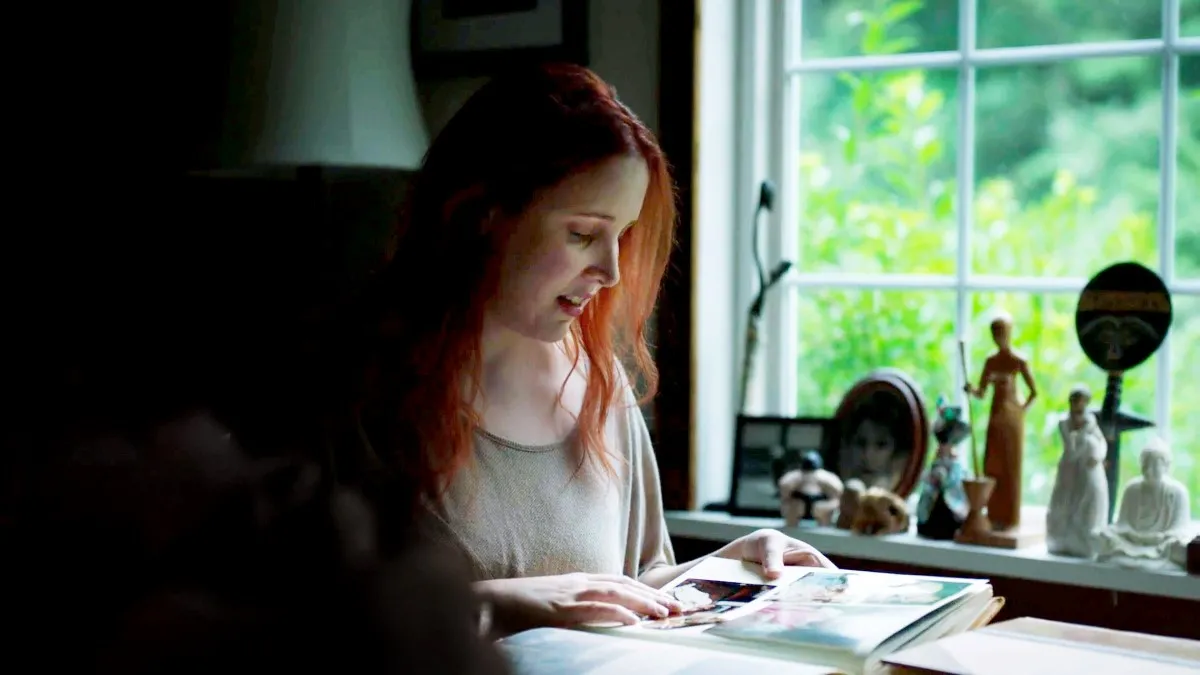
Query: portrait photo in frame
point(884, 433)
point(765, 448)
point(478, 38)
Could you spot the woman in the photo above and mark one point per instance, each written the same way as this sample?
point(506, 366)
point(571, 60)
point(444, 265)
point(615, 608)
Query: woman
point(525, 268)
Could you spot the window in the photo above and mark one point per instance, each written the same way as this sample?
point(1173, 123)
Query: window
point(939, 160)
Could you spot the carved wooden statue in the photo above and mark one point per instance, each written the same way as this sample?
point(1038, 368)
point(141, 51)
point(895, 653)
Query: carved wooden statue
point(1006, 424)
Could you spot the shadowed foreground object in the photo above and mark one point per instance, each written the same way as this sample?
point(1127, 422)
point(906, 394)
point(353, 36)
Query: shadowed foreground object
point(170, 551)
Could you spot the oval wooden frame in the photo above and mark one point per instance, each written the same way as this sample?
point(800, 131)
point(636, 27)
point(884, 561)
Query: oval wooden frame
point(905, 389)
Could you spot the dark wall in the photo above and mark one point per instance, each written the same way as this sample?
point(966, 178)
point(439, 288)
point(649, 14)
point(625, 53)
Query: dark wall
point(674, 353)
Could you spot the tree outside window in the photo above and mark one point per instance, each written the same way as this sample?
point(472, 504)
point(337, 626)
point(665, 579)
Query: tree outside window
point(1066, 171)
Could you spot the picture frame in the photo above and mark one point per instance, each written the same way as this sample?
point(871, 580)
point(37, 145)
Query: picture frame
point(765, 448)
point(883, 433)
point(478, 38)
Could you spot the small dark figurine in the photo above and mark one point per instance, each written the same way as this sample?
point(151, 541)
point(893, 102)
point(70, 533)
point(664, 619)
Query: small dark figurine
point(809, 492)
point(1193, 556)
point(943, 507)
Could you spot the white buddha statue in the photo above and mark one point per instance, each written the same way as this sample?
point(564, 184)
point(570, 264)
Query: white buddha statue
point(1154, 519)
point(1079, 502)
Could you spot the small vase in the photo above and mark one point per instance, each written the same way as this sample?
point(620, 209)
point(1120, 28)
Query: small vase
point(979, 491)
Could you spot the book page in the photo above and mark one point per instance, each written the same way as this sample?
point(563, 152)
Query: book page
point(715, 590)
point(738, 571)
point(1103, 639)
point(847, 611)
point(553, 651)
point(984, 652)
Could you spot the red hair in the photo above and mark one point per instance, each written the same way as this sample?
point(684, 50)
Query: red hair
point(515, 137)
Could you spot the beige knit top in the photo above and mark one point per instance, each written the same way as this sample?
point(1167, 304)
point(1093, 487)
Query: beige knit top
point(523, 510)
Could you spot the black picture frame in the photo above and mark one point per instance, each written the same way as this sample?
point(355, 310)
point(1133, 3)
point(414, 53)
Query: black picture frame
point(754, 489)
point(479, 38)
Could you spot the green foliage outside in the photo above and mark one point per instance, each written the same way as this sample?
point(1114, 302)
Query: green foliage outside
point(1067, 182)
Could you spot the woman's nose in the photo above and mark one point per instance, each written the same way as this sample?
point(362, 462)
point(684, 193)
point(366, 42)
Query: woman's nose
point(608, 266)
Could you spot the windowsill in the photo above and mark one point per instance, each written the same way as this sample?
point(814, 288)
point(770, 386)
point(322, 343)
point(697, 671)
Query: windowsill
point(1032, 563)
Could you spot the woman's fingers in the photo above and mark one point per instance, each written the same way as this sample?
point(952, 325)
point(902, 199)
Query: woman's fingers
point(594, 611)
point(630, 597)
point(807, 556)
point(659, 596)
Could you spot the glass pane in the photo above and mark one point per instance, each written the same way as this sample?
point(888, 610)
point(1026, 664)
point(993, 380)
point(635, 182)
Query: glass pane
point(846, 334)
point(1187, 198)
point(1044, 331)
point(1189, 18)
point(1184, 340)
point(875, 27)
point(1067, 177)
point(1024, 23)
point(877, 172)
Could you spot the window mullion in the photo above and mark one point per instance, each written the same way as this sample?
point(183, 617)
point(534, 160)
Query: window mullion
point(774, 336)
point(789, 202)
point(1168, 165)
point(966, 178)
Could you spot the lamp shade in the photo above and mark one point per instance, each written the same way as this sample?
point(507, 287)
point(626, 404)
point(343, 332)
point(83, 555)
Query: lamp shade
point(314, 83)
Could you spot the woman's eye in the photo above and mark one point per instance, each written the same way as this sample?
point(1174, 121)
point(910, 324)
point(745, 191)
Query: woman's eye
point(581, 238)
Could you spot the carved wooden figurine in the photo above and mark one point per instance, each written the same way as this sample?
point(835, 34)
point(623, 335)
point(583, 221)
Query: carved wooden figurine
point(1079, 500)
point(1006, 424)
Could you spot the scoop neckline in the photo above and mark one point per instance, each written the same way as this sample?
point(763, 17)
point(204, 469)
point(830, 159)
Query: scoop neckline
point(524, 447)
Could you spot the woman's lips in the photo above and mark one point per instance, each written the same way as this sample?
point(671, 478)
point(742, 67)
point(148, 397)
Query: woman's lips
point(572, 305)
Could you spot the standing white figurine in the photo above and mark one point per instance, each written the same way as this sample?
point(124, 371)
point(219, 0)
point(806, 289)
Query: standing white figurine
point(1154, 517)
point(1079, 501)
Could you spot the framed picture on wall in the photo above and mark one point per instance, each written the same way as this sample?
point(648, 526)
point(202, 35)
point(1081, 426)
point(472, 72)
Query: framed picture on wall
point(469, 38)
point(765, 448)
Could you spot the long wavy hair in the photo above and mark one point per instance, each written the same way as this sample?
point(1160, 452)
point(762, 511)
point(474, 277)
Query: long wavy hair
point(517, 136)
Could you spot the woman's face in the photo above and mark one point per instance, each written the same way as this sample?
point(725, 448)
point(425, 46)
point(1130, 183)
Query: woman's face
point(874, 444)
point(1002, 335)
point(565, 248)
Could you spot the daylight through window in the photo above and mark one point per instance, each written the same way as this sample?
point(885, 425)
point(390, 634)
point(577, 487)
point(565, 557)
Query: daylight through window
point(940, 160)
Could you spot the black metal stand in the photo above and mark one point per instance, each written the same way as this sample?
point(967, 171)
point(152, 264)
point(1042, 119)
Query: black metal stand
point(1114, 422)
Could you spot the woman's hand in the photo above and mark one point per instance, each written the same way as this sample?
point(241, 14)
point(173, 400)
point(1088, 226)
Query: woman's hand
point(571, 599)
point(773, 550)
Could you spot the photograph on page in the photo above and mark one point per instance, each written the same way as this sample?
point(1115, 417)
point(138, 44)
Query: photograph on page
point(864, 588)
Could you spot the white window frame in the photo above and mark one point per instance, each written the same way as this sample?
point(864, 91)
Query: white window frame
point(775, 29)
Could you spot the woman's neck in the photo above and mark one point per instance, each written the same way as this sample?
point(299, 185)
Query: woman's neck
point(511, 362)
point(522, 380)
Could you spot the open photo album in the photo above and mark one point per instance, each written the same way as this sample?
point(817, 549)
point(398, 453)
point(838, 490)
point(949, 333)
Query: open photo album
point(809, 621)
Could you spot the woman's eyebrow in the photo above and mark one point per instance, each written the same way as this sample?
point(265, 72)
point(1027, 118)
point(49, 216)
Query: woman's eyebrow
point(594, 214)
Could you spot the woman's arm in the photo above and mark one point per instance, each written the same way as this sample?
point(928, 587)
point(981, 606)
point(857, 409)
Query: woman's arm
point(984, 378)
point(657, 577)
point(656, 558)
